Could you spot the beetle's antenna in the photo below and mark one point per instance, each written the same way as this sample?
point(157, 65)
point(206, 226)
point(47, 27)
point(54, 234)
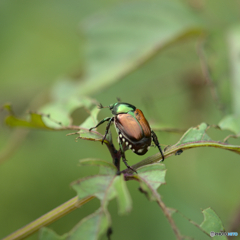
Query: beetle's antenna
point(100, 106)
point(118, 99)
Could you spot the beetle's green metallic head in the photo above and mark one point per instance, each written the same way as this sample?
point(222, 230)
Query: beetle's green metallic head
point(121, 107)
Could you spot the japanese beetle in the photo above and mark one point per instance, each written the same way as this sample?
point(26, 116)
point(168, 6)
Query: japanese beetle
point(133, 129)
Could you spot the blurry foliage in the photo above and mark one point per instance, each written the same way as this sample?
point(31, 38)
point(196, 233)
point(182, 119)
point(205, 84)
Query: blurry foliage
point(176, 60)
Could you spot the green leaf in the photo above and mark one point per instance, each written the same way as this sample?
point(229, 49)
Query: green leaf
point(150, 178)
point(212, 223)
point(93, 186)
point(63, 103)
point(58, 110)
point(91, 121)
point(48, 234)
point(231, 123)
point(195, 134)
point(105, 187)
point(91, 227)
point(122, 194)
point(105, 168)
point(153, 174)
point(93, 135)
point(35, 121)
point(127, 35)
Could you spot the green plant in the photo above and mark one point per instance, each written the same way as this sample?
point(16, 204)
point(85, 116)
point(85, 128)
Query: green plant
point(109, 183)
point(136, 54)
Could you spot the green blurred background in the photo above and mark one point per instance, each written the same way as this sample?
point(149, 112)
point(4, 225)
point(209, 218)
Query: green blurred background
point(45, 42)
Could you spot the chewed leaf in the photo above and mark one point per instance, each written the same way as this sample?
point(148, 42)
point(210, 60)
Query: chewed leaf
point(153, 174)
point(105, 168)
point(91, 227)
point(195, 134)
point(56, 111)
point(48, 234)
point(150, 178)
point(35, 121)
point(212, 223)
point(106, 186)
point(92, 136)
point(231, 123)
point(93, 186)
point(53, 116)
point(91, 121)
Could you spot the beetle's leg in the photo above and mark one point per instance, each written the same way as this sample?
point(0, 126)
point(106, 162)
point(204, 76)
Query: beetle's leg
point(104, 120)
point(107, 128)
point(124, 158)
point(155, 139)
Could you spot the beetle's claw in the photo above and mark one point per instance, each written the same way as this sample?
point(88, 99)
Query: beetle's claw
point(103, 139)
point(125, 162)
point(132, 169)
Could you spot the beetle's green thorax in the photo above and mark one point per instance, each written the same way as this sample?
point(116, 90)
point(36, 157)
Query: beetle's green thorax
point(118, 108)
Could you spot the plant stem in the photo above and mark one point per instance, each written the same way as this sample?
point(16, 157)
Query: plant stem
point(175, 148)
point(48, 218)
point(169, 218)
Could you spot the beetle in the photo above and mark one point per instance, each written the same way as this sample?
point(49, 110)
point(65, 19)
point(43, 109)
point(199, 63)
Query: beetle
point(133, 129)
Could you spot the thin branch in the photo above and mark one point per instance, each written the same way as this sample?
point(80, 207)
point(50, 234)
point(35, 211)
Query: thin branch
point(231, 136)
point(175, 149)
point(169, 218)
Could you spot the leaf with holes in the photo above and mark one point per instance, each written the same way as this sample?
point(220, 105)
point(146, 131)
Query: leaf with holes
point(195, 134)
point(150, 178)
point(212, 223)
point(91, 227)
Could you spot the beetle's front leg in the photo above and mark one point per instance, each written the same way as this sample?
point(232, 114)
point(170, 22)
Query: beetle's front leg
point(107, 128)
point(104, 120)
point(124, 158)
point(155, 140)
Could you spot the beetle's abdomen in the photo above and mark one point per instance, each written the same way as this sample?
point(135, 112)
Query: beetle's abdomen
point(134, 131)
point(128, 125)
point(143, 122)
